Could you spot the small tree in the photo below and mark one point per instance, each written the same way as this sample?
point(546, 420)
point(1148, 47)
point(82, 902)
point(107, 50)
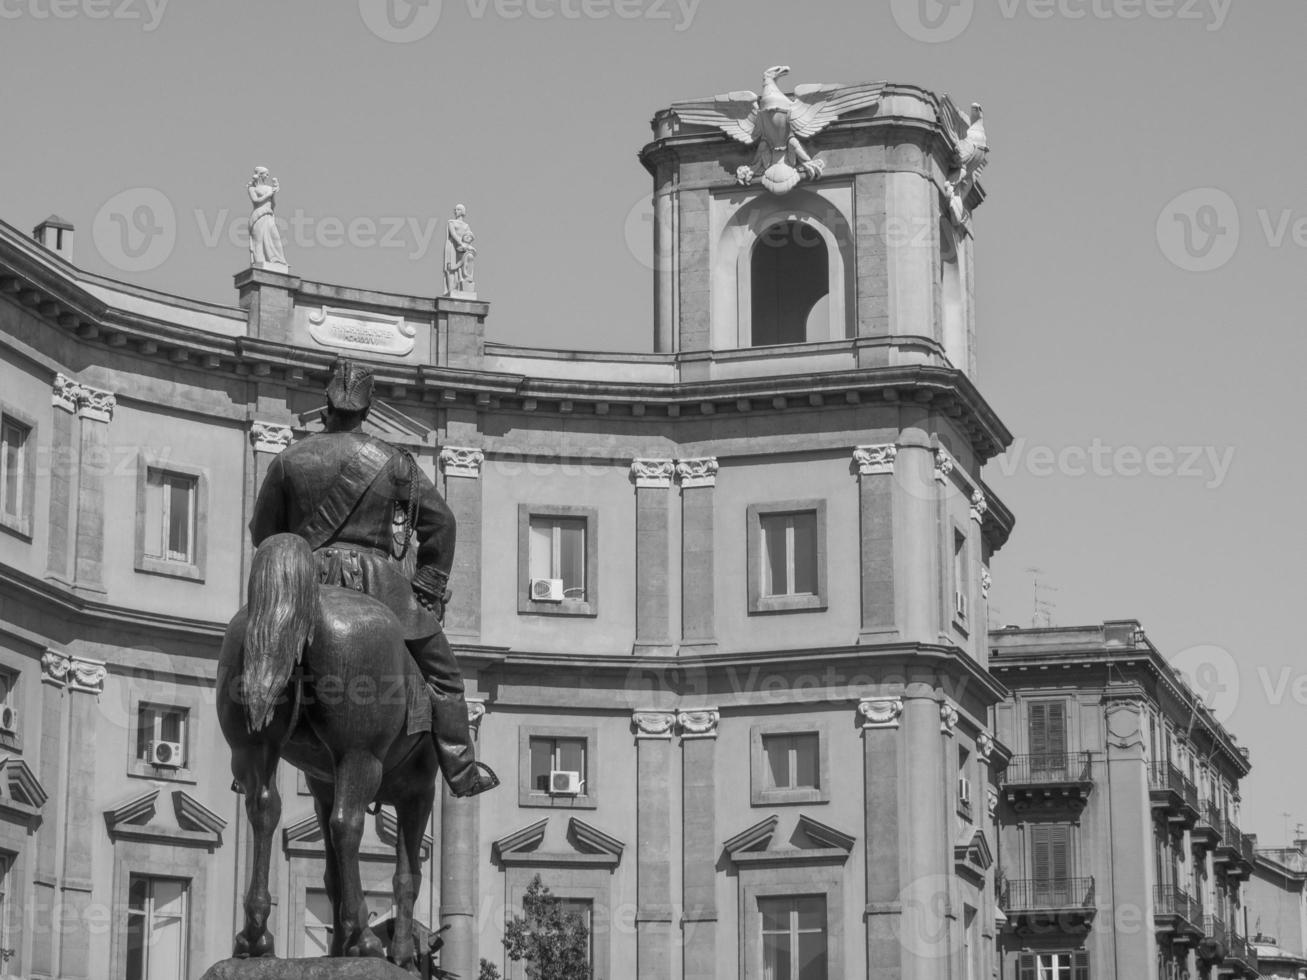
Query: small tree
point(554, 943)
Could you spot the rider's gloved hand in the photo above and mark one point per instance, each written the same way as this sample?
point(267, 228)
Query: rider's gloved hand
point(431, 588)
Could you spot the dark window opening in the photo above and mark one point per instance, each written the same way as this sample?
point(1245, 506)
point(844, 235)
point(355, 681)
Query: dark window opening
point(790, 280)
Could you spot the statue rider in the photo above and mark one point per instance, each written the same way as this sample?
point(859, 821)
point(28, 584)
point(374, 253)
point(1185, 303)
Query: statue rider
point(362, 505)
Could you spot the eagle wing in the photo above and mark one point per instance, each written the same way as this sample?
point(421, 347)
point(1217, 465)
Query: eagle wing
point(735, 114)
point(817, 106)
point(970, 153)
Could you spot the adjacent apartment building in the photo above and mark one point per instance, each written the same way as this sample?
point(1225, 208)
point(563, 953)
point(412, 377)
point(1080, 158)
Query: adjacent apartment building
point(1120, 851)
point(721, 606)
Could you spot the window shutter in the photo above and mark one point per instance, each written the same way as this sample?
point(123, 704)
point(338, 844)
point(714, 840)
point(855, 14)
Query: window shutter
point(1056, 728)
point(1038, 720)
point(1026, 966)
point(1050, 852)
point(1080, 965)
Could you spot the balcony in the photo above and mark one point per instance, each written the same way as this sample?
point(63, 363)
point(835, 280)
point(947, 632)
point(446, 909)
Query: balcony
point(1173, 794)
point(1242, 957)
point(1047, 906)
point(1048, 782)
point(1208, 830)
point(1178, 916)
point(1215, 943)
point(1236, 851)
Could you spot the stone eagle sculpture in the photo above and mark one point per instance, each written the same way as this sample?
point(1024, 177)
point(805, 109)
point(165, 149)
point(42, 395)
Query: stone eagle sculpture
point(971, 153)
point(776, 123)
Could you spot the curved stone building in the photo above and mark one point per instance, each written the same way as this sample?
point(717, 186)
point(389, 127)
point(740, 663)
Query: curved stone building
point(721, 606)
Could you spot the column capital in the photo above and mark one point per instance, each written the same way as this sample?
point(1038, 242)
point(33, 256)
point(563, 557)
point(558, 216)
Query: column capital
point(654, 474)
point(55, 666)
point(698, 722)
point(653, 723)
point(871, 460)
point(75, 673)
point(948, 717)
point(944, 464)
point(270, 437)
point(65, 393)
point(986, 582)
point(462, 461)
point(697, 472)
point(95, 404)
point(476, 710)
point(978, 505)
point(984, 745)
point(880, 712)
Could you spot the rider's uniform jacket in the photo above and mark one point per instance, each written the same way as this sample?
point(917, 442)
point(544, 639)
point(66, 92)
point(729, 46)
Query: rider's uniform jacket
point(349, 495)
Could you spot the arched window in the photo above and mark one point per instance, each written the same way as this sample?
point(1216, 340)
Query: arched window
point(790, 279)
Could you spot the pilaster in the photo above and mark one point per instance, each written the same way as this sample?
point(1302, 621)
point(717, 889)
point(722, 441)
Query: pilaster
point(462, 468)
point(876, 534)
point(881, 719)
point(653, 481)
point(94, 410)
point(698, 728)
point(653, 915)
point(460, 825)
point(65, 453)
point(698, 480)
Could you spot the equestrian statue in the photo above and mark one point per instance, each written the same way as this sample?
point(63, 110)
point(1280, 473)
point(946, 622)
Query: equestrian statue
point(339, 665)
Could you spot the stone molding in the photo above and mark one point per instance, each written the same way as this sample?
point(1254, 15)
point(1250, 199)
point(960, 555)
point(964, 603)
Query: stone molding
point(270, 437)
point(65, 393)
point(698, 722)
point(978, 506)
point(653, 723)
point(653, 474)
point(697, 472)
point(89, 403)
point(944, 464)
point(880, 712)
point(75, 673)
point(462, 461)
point(872, 460)
point(948, 718)
point(984, 746)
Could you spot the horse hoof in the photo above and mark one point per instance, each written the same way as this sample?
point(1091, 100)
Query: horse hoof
point(243, 949)
point(368, 945)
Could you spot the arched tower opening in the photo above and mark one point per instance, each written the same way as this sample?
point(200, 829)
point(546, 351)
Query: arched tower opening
point(790, 285)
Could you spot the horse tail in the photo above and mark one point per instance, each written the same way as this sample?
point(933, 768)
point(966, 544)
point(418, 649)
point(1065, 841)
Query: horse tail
point(281, 611)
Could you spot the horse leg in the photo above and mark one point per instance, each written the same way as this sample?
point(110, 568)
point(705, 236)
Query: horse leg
point(322, 802)
point(411, 816)
point(358, 776)
point(255, 768)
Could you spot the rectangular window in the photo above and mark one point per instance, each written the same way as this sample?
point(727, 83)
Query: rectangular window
point(789, 553)
point(1046, 722)
point(170, 516)
point(794, 937)
point(1050, 864)
point(158, 933)
point(551, 755)
point(1054, 966)
point(793, 760)
point(557, 547)
point(161, 736)
point(14, 461)
point(583, 909)
point(961, 578)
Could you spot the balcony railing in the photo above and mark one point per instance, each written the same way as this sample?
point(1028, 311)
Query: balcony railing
point(1042, 768)
point(1208, 829)
point(1174, 793)
point(1236, 851)
point(1179, 913)
point(1039, 894)
point(1216, 929)
point(1241, 953)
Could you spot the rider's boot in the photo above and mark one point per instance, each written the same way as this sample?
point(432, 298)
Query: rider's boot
point(449, 722)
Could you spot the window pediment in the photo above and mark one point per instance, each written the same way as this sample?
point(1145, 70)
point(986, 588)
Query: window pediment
point(591, 846)
point(811, 842)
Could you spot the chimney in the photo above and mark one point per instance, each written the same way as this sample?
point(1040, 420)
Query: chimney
point(56, 234)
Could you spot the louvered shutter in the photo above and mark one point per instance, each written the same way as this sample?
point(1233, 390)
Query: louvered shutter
point(1080, 965)
point(1026, 967)
point(1056, 730)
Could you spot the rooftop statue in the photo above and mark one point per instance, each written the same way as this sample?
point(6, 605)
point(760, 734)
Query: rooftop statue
point(972, 154)
point(776, 123)
point(265, 239)
point(460, 256)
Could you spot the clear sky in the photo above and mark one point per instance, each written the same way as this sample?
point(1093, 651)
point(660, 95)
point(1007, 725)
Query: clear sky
point(1115, 314)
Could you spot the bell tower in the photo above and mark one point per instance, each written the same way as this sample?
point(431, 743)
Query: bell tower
point(829, 215)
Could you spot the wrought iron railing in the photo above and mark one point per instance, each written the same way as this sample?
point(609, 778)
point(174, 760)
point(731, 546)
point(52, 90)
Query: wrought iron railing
point(1172, 900)
point(1032, 894)
point(1050, 767)
point(1215, 927)
point(1241, 949)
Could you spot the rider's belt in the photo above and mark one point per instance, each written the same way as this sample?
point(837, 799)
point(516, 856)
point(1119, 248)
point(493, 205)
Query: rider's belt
point(357, 475)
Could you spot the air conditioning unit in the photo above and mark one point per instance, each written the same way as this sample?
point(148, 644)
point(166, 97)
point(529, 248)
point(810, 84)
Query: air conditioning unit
point(564, 783)
point(547, 589)
point(964, 790)
point(167, 754)
point(8, 720)
point(960, 604)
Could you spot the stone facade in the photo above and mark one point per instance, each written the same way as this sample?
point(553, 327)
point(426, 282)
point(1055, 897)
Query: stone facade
point(675, 656)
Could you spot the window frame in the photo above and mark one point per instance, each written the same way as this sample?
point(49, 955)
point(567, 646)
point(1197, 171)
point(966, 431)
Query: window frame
point(529, 796)
point(793, 930)
point(20, 524)
point(169, 697)
point(759, 602)
point(148, 915)
point(960, 577)
point(158, 711)
point(193, 570)
point(589, 606)
point(10, 679)
point(760, 794)
point(792, 880)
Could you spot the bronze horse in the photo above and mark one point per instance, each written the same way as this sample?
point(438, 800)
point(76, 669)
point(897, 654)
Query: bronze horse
point(306, 674)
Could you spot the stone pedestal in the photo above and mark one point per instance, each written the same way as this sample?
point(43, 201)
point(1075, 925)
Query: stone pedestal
point(320, 968)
